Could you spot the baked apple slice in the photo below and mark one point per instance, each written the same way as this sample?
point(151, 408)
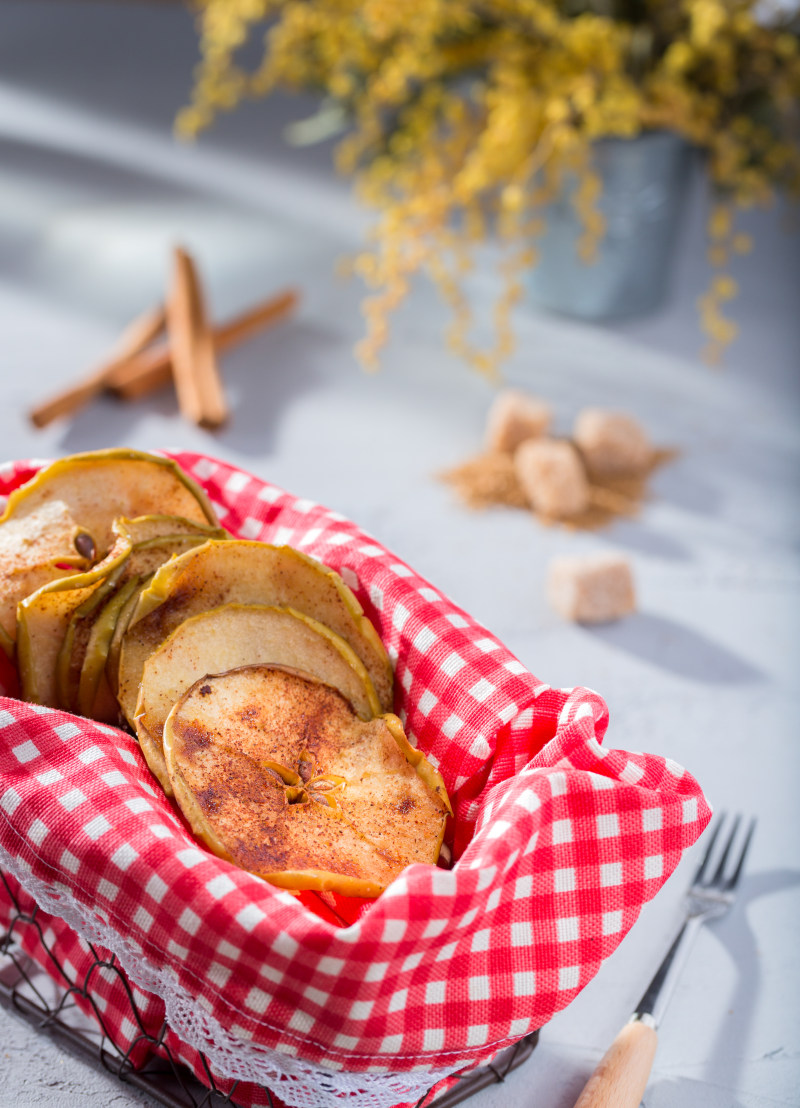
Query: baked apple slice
point(152, 540)
point(150, 528)
point(77, 633)
point(103, 485)
point(239, 572)
point(121, 626)
point(42, 546)
point(44, 617)
point(94, 696)
point(275, 772)
point(236, 635)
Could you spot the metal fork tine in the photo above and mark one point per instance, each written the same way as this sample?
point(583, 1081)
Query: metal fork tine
point(720, 871)
point(733, 880)
point(714, 836)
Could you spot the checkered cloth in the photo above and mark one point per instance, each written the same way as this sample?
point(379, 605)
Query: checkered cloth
point(557, 843)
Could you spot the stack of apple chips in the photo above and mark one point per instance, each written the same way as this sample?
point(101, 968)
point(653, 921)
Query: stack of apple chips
point(259, 691)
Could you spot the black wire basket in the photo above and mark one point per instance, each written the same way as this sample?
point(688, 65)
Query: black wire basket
point(45, 990)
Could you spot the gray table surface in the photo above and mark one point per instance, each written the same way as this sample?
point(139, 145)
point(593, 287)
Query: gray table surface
point(93, 191)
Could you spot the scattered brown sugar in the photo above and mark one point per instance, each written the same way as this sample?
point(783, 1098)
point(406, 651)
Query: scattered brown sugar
point(487, 480)
point(490, 480)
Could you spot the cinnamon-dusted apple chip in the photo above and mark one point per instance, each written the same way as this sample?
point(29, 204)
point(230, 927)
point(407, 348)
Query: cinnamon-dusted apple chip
point(241, 572)
point(275, 772)
point(84, 686)
point(238, 635)
point(44, 618)
point(101, 485)
point(37, 548)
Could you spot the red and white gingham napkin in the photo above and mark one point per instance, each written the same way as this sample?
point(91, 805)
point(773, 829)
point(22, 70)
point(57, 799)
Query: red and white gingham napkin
point(558, 843)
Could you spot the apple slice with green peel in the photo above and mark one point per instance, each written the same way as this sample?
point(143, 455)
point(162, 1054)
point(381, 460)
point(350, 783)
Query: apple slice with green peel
point(148, 556)
point(237, 635)
point(151, 548)
point(42, 622)
point(103, 485)
point(77, 633)
point(35, 549)
point(150, 528)
point(48, 533)
point(23, 584)
point(153, 754)
point(95, 698)
point(239, 572)
point(115, 646)
point(276, 773)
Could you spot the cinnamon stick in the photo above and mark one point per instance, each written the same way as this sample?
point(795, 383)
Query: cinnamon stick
point(136, 337)
point(152, 369)
point(194, 362)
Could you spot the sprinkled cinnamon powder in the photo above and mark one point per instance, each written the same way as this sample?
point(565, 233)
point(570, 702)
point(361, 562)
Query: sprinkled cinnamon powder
point(490, 480)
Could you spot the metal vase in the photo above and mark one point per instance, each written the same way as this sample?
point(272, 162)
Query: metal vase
point(644, 183)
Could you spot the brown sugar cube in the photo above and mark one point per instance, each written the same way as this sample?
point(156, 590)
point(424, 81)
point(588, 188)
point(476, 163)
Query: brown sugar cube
point(552, 477)
point(611, 443)
point(591, 588)
point(514, 417)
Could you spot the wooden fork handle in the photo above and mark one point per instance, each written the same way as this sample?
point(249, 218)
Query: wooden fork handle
point(622, 1073)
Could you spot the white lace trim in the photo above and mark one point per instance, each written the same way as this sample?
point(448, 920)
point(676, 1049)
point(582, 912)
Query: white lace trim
point(298, 1083)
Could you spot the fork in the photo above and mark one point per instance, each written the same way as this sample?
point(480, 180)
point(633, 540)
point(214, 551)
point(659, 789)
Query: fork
point(622, 1073)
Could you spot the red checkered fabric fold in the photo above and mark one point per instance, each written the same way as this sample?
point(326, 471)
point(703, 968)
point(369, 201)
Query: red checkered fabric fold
point(558, 843)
